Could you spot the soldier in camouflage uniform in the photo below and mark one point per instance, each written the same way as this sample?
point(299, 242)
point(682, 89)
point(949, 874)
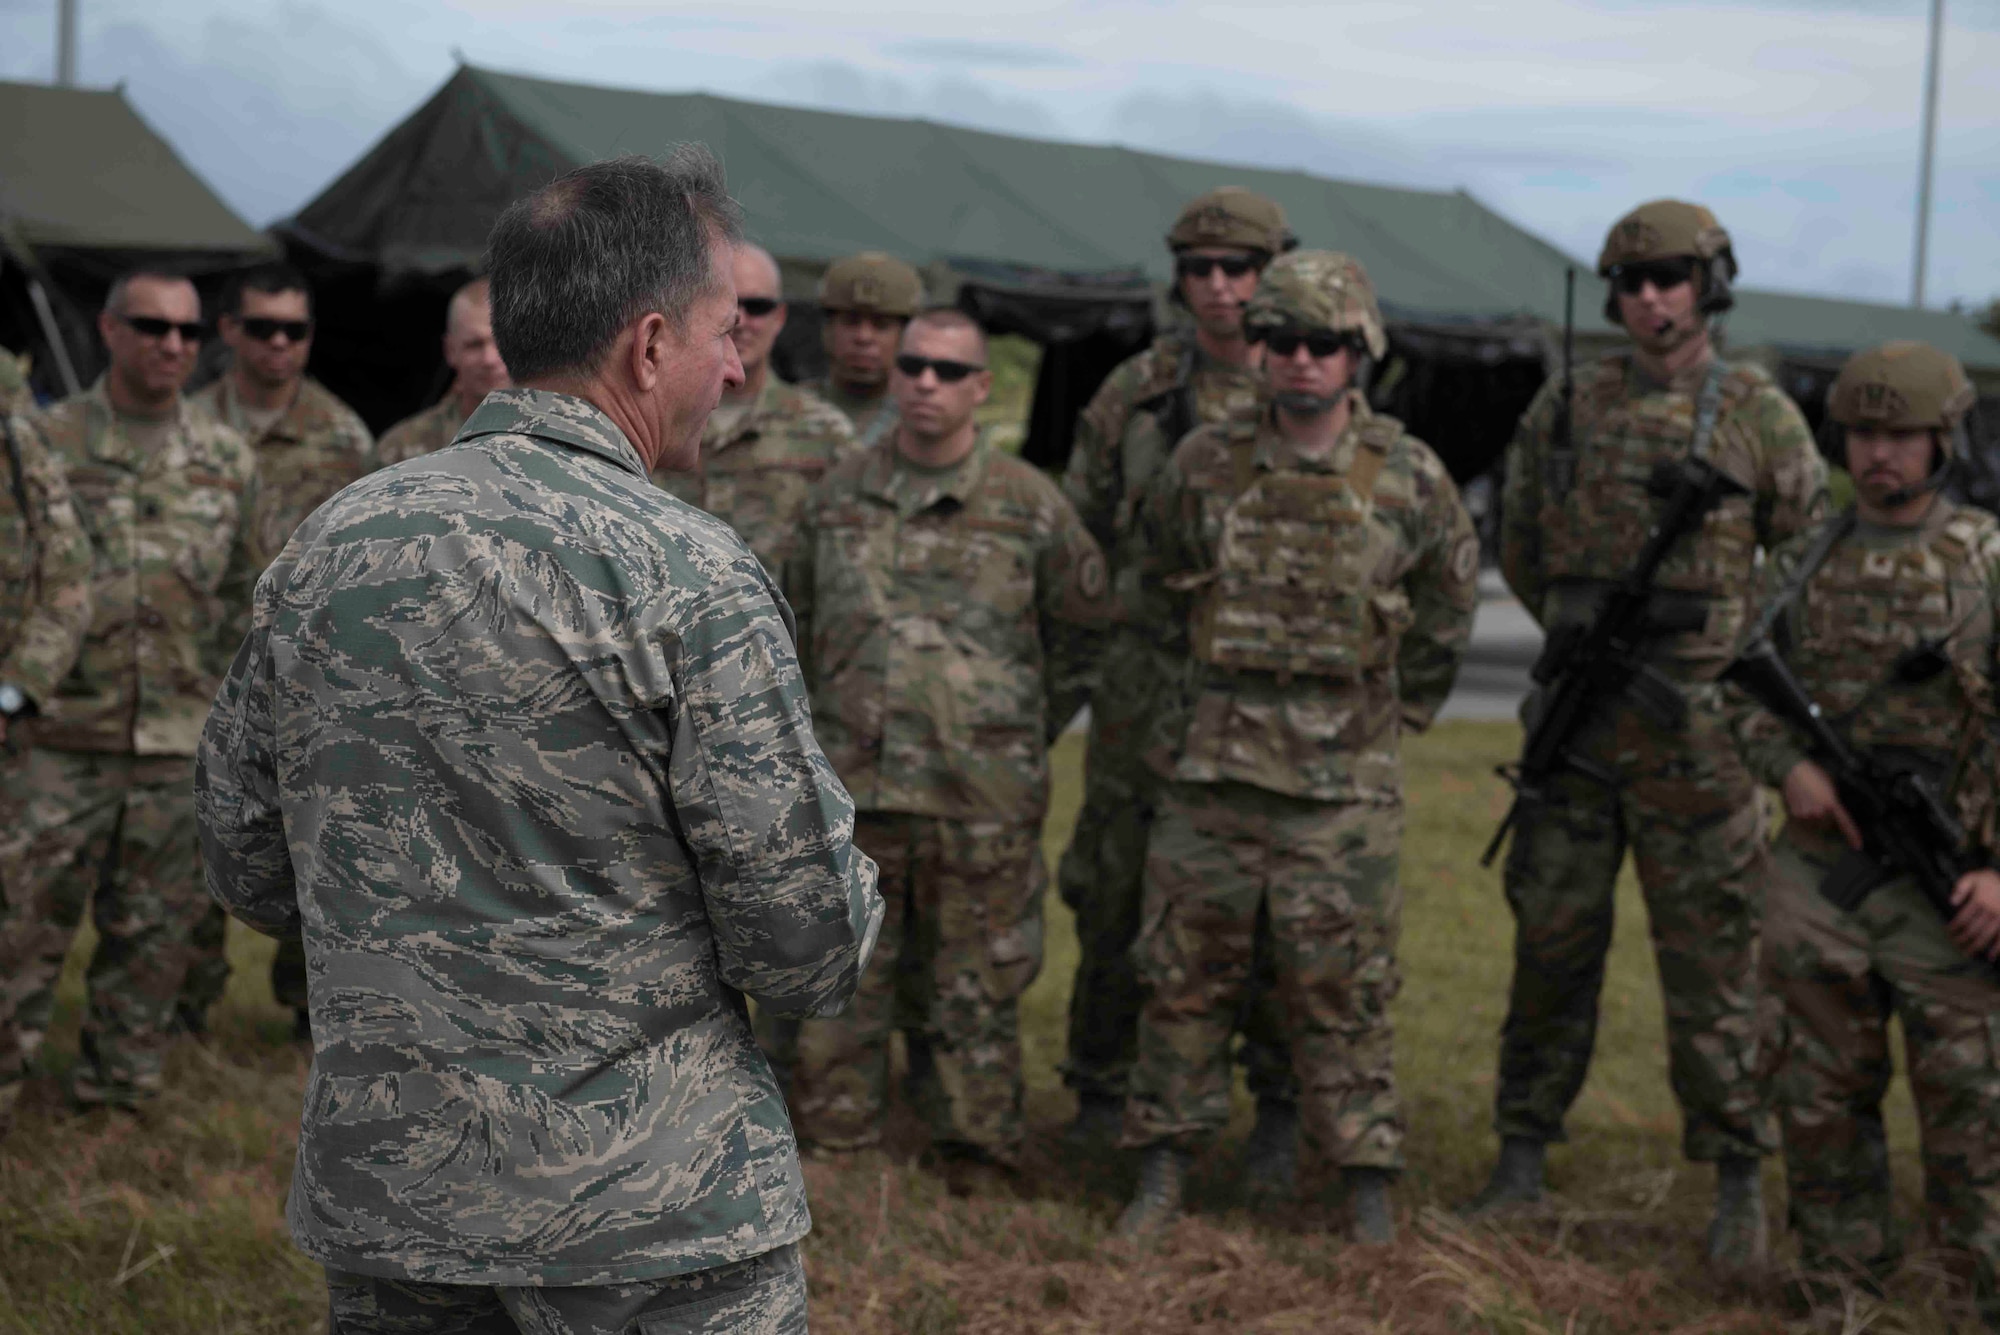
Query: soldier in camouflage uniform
point(477, 369)
point(164, 493)
point(1202, 371)
point(766, 444)
point(948, 601)
point(308, 445)
point(866, 299)
point(520, 742)
point(1574, 516)
point(44, 607)
point(15, 396)
point(1907, 567)
point(1326, 569)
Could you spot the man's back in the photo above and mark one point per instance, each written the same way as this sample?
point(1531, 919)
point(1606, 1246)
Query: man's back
point(544, 794)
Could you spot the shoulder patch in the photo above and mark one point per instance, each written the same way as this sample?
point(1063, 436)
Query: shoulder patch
point(1465, 559)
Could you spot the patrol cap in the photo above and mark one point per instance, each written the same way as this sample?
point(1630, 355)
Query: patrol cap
point(1318, 289)
point(1664, 229)
point(1232, 216)
point(1901, 386)
point(874, 283)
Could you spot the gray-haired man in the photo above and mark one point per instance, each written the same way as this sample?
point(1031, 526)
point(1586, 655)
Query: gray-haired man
point(520, 741)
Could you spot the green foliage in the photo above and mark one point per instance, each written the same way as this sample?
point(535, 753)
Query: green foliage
point(1014, 361)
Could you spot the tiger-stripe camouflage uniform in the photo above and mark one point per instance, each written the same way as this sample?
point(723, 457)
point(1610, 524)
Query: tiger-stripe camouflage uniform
point(1328, 599)
point(759, 465)
point(44, 608)
point(314, 448)
point(544, 726)
point(109, 816)
point(1573, 521)
point(948, 618)
point(1838, 977)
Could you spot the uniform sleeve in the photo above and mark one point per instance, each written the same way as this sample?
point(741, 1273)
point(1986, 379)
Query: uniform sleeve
point(1769, 746)
point(1092, 478)
point(59, 608)
point(1791, 495)
point(239, 582)
point(791, 900)
point(1443, 589)
point(1521, 500)
point(244, 855)
point(798, 576)
point(1073, 594)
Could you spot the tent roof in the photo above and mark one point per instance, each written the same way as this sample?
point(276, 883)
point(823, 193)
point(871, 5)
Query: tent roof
point(817, 185)
point(91, 175)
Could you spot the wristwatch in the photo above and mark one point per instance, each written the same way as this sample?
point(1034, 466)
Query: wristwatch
point(13, 700)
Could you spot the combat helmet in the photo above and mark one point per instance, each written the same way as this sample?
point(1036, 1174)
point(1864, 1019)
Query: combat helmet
point(1903, 386)
point(1232, 216)
point(1667, 229)
point(874, 283)
point(1318, 289)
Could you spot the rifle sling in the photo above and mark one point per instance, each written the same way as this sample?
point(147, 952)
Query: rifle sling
point(1824, 541)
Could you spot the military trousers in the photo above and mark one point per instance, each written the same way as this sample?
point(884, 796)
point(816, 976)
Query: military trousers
point(763, 1295)
point(1102, 879)
point(1232, 870)
point(1688, 811)
point(116, 832)
point(961, 940)
point(1838, 978)
point(208, 967)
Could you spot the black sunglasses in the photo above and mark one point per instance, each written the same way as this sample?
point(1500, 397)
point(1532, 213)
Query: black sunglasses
point(757, 306)
point(948, 372)
point(152, 326)
point(1662, 274)
point(264, 330)
point(1201, 266)
point(1320, 342)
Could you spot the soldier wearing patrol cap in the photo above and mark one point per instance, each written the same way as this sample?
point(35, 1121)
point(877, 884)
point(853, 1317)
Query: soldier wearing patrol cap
point(1324, 570)
point(867, 299)
point(1199, 371)
point(1575, 512)
point(1906, 576)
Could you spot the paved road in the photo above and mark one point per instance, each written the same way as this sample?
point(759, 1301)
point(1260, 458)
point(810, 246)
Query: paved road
point(1505, 640)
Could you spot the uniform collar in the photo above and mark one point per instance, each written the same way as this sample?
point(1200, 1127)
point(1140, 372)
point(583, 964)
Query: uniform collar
point(561, 418)
point(1276, 452)
point(111, 445)
point(287, 429)
point(752, 420)
point(912, 490)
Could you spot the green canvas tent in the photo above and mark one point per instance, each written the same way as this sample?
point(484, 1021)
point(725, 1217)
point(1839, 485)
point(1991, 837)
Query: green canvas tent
point(87, 189)
point(1474, 298)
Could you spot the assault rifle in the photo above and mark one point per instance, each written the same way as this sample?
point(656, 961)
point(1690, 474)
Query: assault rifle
point(1581, 667)
point(1906, 828)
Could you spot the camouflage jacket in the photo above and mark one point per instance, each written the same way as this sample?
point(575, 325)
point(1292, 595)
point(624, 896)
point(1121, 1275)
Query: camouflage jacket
point(1572, 522)
point(949, 619)
point(15, 396)
point(313, 450)
point(44, 567)
point(874, 419)
point(171, 571)
point(422, 433)
point(755, 475)
point(1328, 603)
point(519, 741)
point(1880, 593)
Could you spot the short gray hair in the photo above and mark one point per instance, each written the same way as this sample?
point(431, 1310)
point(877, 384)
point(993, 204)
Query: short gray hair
point(593, 250)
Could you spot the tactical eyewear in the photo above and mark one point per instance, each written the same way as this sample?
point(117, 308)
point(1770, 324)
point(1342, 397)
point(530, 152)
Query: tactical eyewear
point(1662, 274)
point(152, 326)
point(264, 330)
point(1201, 266)
point(757, 307)
point(948, 372)
point(1319, 342)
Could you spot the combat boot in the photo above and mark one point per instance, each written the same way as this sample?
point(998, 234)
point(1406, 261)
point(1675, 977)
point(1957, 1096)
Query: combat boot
point(1371, 1220)
point(1739, 1237)
point(1270, 1165)
point(1156, 1204)
point(1516, 1183)
point(1099, 1117)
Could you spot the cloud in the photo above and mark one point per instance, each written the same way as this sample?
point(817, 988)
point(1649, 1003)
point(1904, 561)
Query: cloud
point(983, 55)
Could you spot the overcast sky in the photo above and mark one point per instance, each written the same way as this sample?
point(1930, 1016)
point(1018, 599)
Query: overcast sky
point(1796, 120)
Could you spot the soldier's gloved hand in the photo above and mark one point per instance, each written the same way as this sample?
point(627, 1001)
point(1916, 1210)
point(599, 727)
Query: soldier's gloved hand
point(1811, 797)
point(1976, 925)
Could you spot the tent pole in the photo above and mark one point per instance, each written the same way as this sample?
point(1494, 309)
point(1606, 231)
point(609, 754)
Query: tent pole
point(1929, 151)
point(38, 297)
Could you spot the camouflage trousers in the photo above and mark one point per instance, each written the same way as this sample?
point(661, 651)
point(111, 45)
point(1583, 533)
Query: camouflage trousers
point(961, 940)
point(764, 1295)
point(1688, 810)
point(1838, 978)
point(1102, 879)
point(116, 832)
point(208, 967)
point(1233, 871)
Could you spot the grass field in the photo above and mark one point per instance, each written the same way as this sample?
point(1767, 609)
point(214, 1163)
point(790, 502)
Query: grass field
point(174, 1225)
